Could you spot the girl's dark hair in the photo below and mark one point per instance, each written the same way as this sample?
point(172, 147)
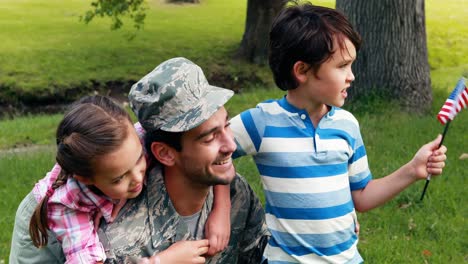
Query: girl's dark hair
point(304, 32)
point(94, 126)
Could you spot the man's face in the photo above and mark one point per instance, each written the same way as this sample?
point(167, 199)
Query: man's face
point(205, 158)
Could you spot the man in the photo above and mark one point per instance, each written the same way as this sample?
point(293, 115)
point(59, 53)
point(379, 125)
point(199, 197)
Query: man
point(188, 134)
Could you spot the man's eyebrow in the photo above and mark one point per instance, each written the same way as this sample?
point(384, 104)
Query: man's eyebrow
point(204, 134)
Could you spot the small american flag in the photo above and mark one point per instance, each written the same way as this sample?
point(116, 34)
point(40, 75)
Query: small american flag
point(457, 100)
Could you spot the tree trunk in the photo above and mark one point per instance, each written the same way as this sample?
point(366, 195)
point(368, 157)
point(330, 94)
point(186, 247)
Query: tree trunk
point(393, 60)
point(260, 15)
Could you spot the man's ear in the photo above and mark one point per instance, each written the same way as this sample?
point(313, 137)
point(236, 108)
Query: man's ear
point(83, 180)
point(163, 153)
point(300, 70)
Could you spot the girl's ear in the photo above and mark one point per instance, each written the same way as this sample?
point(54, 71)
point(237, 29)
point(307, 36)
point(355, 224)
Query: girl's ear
point(300, 70)
point(83, 180)
point(163, 153)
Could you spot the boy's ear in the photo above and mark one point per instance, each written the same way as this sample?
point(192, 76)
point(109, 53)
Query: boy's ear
point(83, 180)
point(300, 70)
point(163, 153)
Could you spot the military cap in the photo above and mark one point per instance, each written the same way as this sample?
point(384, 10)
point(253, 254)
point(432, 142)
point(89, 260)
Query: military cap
point(176, 97)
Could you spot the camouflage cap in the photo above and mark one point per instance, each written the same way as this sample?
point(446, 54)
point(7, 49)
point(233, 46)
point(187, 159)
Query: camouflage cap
point(175, 97)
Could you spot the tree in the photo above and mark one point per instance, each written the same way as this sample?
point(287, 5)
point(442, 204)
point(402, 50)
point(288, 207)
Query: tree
point(393, 60)
point(116, 9)
point(260, 15)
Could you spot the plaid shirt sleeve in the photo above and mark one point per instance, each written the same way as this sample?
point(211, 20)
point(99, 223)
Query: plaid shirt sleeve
point(75, 230)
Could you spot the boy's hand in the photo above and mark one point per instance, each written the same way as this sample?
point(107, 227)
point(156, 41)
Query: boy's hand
point(429, 159)
point(217, 231)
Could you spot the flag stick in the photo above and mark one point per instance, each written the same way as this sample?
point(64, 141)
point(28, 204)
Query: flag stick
point(428, 179)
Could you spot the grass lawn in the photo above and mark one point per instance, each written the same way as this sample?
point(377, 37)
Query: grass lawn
point(44, 47)
point(402, 231)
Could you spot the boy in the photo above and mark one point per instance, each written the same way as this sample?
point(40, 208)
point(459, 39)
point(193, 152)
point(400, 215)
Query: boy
point(309, 152)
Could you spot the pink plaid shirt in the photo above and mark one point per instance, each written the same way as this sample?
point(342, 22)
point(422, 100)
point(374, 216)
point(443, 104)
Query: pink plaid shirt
point(71, 211)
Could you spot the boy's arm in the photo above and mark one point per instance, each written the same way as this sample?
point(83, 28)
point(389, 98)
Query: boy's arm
point(244, 131)
point(218, 224)
point(428, 160)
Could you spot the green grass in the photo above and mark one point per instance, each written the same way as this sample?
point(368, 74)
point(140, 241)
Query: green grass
point(44, 48)
point(28, 130)
point(447, 33)
point(395, 234)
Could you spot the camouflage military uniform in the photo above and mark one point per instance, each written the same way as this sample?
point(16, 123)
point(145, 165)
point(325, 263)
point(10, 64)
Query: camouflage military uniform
point(149, 224)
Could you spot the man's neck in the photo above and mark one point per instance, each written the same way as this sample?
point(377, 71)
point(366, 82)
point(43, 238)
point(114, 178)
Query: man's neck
point(187, 197)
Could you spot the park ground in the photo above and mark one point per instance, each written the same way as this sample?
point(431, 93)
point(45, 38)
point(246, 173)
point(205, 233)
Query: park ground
point(47, 57)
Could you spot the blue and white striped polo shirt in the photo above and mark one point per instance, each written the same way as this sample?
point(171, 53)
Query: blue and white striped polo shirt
point(307, 174)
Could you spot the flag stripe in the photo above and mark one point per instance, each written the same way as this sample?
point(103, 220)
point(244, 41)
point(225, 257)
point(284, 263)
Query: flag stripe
point(456, 101)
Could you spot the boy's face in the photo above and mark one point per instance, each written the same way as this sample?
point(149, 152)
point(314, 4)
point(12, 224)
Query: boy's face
point(330, 83)
point(205, 158)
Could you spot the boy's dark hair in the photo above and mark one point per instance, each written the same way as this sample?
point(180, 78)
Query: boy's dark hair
point(304, 32)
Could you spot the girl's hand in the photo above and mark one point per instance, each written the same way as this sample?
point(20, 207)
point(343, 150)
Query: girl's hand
point(97, 220)
point(115, 212)
point(116, 209)
point(183, 252)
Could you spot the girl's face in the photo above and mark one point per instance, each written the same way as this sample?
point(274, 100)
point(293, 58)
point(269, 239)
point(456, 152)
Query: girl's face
point(120, 174)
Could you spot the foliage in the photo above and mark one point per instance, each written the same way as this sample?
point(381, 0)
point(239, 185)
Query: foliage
point(116, 9)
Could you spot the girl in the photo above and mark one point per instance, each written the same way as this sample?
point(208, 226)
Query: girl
point(101, 163)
